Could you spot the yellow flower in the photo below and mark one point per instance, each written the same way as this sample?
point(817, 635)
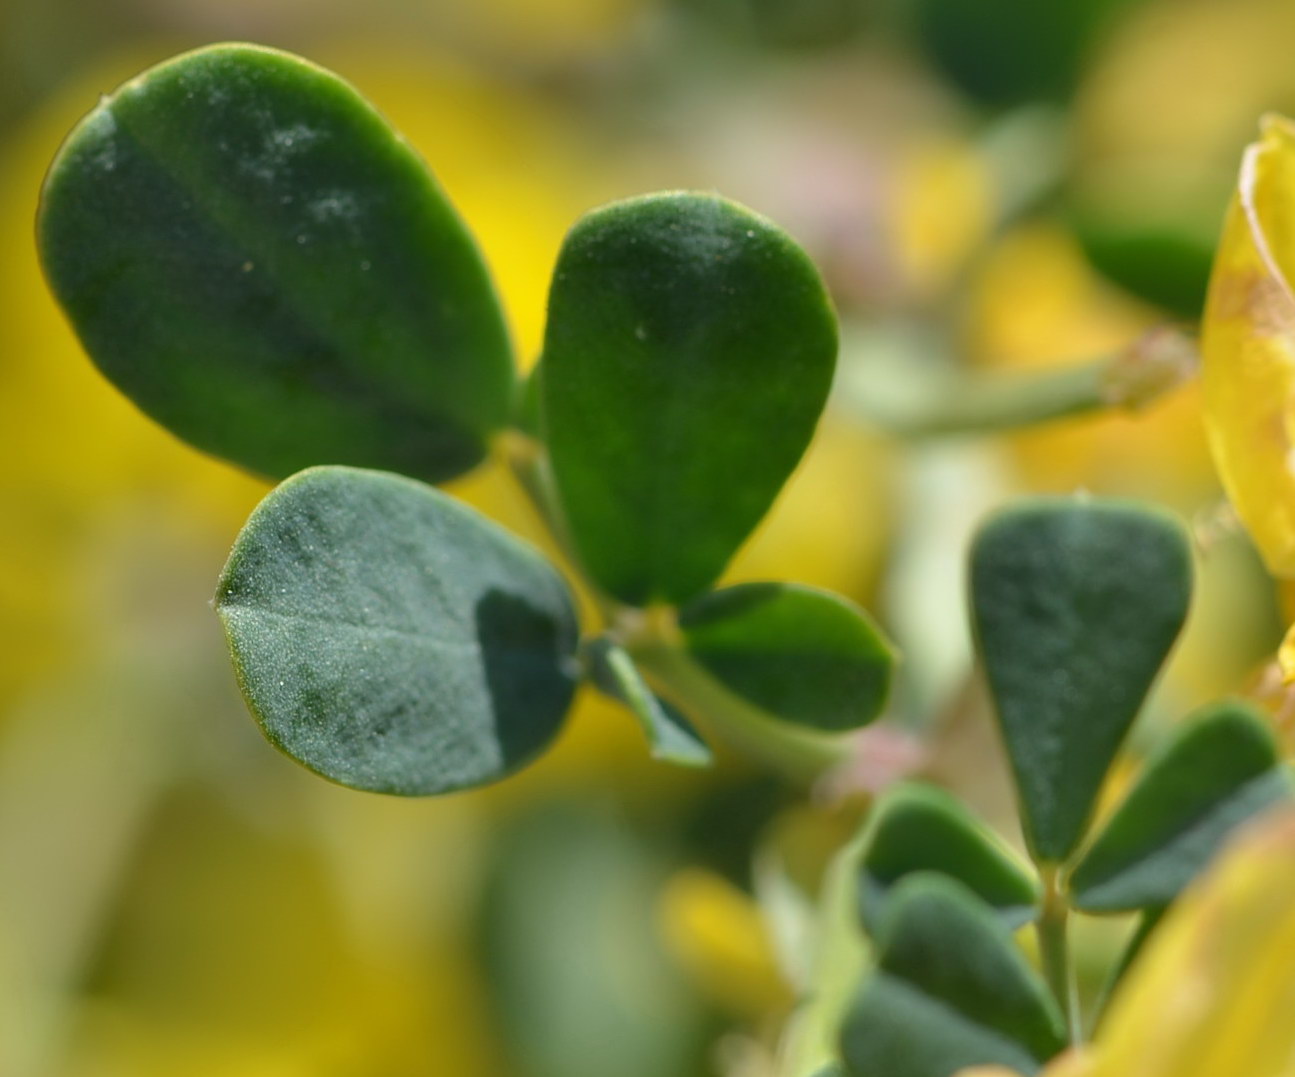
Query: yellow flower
point(716, 932)
point(1248, 348)
point(1213, 995)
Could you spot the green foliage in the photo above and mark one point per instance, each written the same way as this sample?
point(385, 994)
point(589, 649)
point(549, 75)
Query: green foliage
point(670, 735)
point(689, 350)
point(261, 263)
point(950, 990)
point(573, 961)
point(800, 654)
point(1166, 262)
point(250, 253)
point(920, 828)
point(1219, 770)
point(1075, 603)
point(1005, 52)
point(391, 639)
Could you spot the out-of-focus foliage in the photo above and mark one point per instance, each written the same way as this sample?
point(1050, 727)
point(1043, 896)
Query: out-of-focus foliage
point(176, 899)
point(1212, 993)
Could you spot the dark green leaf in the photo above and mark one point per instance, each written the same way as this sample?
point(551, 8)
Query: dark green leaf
point(262, 264)
point(689, 350)
point(1075, 604)
point(671, 736)
point(800, 654)
point(392, 639)
point(1006, 52)
point(1162, 261)
point(950, 990)
point(921, 828)
point(1215, 773)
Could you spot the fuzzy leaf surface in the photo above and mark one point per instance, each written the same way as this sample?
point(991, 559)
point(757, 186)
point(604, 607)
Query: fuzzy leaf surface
point(251, 254)
point(689, 350)
point(392, 639)
point(1075, 603)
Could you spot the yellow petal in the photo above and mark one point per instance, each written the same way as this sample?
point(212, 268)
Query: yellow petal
point(1248, 347)
point(944, 203)
point(1214, 993)
point(717, 933)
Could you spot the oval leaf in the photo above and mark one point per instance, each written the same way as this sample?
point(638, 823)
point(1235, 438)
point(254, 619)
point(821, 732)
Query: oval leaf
point(797, 653)
point(921, 828)
point(671, 736)
point(1075, 604)
point(392, 639)
point(251, 254)
point(1216, 773)
point(951, 990)
point(689, 351)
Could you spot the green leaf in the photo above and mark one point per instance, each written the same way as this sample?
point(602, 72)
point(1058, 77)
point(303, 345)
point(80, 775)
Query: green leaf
point(1008, 52)
point(671, 736)
point(1216, 772)
point(689, 351)
point(921, 828)
point(392, 639)
point(798, 653)
point(1075, 604)
point(950, 990)
point(251, 254)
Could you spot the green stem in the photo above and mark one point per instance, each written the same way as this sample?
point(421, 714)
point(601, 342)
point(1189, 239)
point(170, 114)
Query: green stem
point(952, 402)
point(999, 402)
point(1054, 951)
point(800, 755)
point(840, 956)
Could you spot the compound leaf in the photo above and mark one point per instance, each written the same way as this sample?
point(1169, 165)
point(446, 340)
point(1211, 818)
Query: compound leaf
point(253, 256)
point(689, 351)
point(1075, 604)
point(391, 639)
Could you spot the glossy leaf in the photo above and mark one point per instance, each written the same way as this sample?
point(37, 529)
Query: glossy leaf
point(1217, 772)
point(689, 351)
point(1075, 604)
point(921, 828)
point(798, 653)
point(252, 255)
point(392, 639)
point(671, 736)
point(951, 990)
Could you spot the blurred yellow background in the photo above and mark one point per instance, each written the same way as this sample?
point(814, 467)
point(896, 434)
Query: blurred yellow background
point(177, 898)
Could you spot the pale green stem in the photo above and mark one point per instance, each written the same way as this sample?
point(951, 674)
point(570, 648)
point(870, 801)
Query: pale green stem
point(840, 957)
point(963, 403)
point(1054, 951)
point(800, 755)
